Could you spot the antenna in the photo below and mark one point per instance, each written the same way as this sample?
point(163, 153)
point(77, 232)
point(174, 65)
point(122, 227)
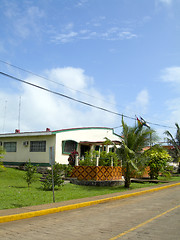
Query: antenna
point(4, 115)
point(19, 115)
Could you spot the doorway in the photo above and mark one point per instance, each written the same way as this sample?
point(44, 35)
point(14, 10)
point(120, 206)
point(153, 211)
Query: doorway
point(84, 149)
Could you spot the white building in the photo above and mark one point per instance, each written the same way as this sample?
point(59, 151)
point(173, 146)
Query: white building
point(42, 147)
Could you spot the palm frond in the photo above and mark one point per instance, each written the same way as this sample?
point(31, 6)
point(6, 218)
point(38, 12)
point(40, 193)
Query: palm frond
point(177, 134)
point(170, 138)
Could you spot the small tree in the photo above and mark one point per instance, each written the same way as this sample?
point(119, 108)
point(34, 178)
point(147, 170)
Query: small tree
point(30, 171)
point(175, 142)
point(2, 152)
point(157, 159)
point(134, 139)
point(57, 175)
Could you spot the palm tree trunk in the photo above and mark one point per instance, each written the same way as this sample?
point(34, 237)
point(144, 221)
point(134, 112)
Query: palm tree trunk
point(127, 176)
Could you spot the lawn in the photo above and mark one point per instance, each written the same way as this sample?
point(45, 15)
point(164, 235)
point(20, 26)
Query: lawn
point(14, 192)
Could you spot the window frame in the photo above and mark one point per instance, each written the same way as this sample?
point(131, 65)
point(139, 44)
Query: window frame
point(11, 148)
point(37, 146)
point(64, 142)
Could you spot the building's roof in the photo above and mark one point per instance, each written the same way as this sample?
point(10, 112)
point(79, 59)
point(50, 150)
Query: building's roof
point(98, 142)
point(26, 134)
point(81, 128)
point(48, 132)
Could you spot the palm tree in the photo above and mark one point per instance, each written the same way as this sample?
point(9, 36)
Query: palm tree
point(175, 142)
point(134, 139)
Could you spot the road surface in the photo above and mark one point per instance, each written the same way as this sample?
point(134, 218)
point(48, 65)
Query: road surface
point(150, 216)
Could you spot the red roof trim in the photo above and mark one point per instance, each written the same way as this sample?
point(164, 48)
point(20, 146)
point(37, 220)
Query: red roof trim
point(81, 128)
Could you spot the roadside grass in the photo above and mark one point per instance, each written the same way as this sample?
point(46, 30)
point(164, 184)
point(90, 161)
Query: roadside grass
point(14, 192)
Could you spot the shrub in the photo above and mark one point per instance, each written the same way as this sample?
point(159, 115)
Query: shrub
point(157, 161)
point(30, 171)
point(89, 159)
point(2, 152)
point(72, 158)
point(104, 160)
point(57, 176)
point(67, 169)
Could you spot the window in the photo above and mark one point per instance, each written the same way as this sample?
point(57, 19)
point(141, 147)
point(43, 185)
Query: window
point(38, 146)
point(69, 146)
point(97, 147)
point(10, 146)
point(111, 149)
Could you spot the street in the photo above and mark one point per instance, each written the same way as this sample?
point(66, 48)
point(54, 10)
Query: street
point(150, 216)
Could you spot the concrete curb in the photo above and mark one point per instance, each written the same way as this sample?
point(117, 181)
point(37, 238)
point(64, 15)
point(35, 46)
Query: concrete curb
point(20, 216)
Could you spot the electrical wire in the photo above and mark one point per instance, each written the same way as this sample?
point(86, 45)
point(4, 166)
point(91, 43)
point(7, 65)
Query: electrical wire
point(63, 95)
point(49, 80)
point(79, 101)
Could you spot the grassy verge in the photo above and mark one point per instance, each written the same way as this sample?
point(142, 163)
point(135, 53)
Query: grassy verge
point(14, 192)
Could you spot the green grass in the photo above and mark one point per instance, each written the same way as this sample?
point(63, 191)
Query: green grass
point(15, 193)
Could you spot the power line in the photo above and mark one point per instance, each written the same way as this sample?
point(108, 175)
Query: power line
point(50, 80)
point(79, 101)
point(47, 79)
point(63, 95)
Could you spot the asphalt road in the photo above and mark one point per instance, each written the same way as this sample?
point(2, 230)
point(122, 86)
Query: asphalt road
point(150, 216)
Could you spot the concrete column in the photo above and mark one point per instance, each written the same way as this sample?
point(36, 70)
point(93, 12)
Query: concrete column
point(97, 161)
point(111, 161)
point(91, 147)
point(76, 160)
point(107, 148)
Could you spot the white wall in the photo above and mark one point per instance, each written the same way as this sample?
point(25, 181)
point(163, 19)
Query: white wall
point(23, 153)
point(53, 139)
point(81, 135)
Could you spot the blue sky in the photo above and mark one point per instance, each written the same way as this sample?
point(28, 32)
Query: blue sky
point(123, 55)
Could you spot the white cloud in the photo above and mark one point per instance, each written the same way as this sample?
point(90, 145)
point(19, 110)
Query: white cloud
point(81, 3)
point(65, 37)
point(72, 77)
point(140, 105)
point(171, 74)
point(40, 109)
point(25, 22)
point(142, 99)
point(168, 2)
point(111, 34)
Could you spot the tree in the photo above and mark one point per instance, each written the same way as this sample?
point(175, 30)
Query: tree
point(158, 158)
point(57, 177)
point(2, 152)
point(134, 139)
point(175, 142)
point(30, 171)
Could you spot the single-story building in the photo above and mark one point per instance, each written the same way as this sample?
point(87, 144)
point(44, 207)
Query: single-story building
point(46, 146)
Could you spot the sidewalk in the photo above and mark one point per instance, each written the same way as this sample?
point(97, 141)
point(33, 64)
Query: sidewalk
point(7, 215)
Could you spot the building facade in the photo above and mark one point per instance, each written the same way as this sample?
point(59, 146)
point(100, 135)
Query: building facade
point(46, 147)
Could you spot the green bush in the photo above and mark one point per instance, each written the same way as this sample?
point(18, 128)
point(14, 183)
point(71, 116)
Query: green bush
point(57, 175)
point(30, 171)
point(2, 152)
point(157, 159)
point(89, 159)
point(104, 159)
